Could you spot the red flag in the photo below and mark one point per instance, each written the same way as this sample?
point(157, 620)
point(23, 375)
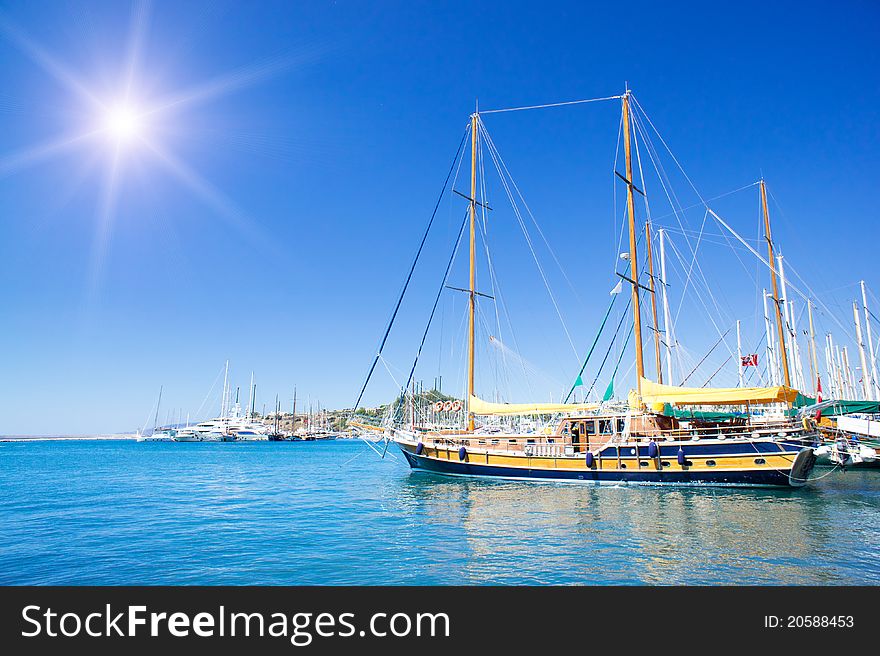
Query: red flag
point(818, 396)
point(749, 360)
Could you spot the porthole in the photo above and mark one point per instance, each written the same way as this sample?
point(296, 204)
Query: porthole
point(760, 461)
point(710, 463)
point(664, 463)
point(643, 464)
point(623, 465)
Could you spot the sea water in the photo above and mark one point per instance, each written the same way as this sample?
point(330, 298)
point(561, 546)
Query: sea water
point(120, 512)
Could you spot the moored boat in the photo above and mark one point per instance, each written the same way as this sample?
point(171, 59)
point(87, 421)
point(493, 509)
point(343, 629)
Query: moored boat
point(637, 441)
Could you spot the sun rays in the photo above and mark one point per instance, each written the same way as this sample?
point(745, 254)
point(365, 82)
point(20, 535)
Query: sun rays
point(120, 126)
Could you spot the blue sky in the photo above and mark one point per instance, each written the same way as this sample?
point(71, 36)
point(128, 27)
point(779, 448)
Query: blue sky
point(309, 142)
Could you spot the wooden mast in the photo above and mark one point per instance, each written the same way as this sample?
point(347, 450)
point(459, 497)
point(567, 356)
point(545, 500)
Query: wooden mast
point(653, 301)
point(772, 261)
point(633, 263)
point(473, 254)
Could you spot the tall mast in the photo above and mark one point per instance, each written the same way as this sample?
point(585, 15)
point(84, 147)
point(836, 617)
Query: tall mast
point(866, 378)
point(158, 403)
point(772, 261)
point(653, 301)
point(249, 412)
point(667, 322)
point(874, 380)
point(847, 373)
point(739, 355)
point(475, 117)
point(788, 346)
point(633, 262)
point(225, 400)
point(771, 352)
point(829, 367)
point(814, 363)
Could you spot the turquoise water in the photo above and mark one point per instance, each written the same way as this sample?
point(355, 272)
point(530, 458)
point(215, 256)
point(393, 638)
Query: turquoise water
point(110, 513)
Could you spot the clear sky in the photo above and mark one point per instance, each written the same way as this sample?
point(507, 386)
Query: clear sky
point(267, 207)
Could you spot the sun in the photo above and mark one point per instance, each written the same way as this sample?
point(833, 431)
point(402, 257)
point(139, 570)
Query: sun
point(123, 124)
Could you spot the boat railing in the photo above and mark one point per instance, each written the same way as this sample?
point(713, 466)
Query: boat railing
point(558, 445)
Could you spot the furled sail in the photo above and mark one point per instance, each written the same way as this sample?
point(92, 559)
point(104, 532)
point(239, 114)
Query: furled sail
point(656, 393)
point(480, 407)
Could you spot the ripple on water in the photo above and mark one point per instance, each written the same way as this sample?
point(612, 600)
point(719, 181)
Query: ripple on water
point(80, 512)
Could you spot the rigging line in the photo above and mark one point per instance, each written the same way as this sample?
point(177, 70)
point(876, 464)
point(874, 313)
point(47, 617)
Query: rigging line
point(703, 302)
point(674, 159)
point(662, 176)
point(592, 347)
point(558, 104)
point(412, 267)
point(437, 299)
point(643, 181)
point(709, 200)
point(484, 229)
point(494, 148)
point(654, 156)
point(820, 303)
point(622, 351)
point(499, 301)
point(721, 366)
point(694, 233)
point(531, 246)
point(207, 396)
point(704, 358)
point(614, 190)
point(640, 128)
point(623, 316)
point(493, 275)
point(690, 268)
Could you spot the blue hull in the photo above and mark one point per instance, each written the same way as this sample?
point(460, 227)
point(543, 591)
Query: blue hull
point(756, 478)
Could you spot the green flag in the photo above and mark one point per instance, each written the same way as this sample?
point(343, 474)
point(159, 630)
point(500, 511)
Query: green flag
point(609, 392)
point(579, 382)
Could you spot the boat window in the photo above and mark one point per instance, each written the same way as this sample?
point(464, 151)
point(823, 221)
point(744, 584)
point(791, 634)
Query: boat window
point(511, 441)
point(664, 463)
point(550, 440)
point(643, 464)
point(591, 427)
point(760, 461)
point(710, 463)
point(620, 425)
point(604, 426)
point(530, 441)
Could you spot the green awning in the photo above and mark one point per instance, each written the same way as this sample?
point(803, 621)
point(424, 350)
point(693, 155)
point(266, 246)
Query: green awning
point(851, 407)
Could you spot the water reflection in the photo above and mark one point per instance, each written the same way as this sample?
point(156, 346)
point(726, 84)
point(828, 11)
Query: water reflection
point(308, 513)
point(550, 533)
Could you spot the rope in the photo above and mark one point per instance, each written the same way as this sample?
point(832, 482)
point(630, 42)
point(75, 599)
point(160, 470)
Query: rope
point(411, 270)
point(610, 346)
point(437, 300)
point(494, 152)
point(595, 341)
point(704, 357)
point(559, 104)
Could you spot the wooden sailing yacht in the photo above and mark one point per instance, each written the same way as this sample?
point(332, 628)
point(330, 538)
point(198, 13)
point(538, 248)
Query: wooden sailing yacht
point(651, 438)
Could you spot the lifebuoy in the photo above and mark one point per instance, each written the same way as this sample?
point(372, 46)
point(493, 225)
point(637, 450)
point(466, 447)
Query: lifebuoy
point(438, 406)
point(447, 406)
point(456, 406)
